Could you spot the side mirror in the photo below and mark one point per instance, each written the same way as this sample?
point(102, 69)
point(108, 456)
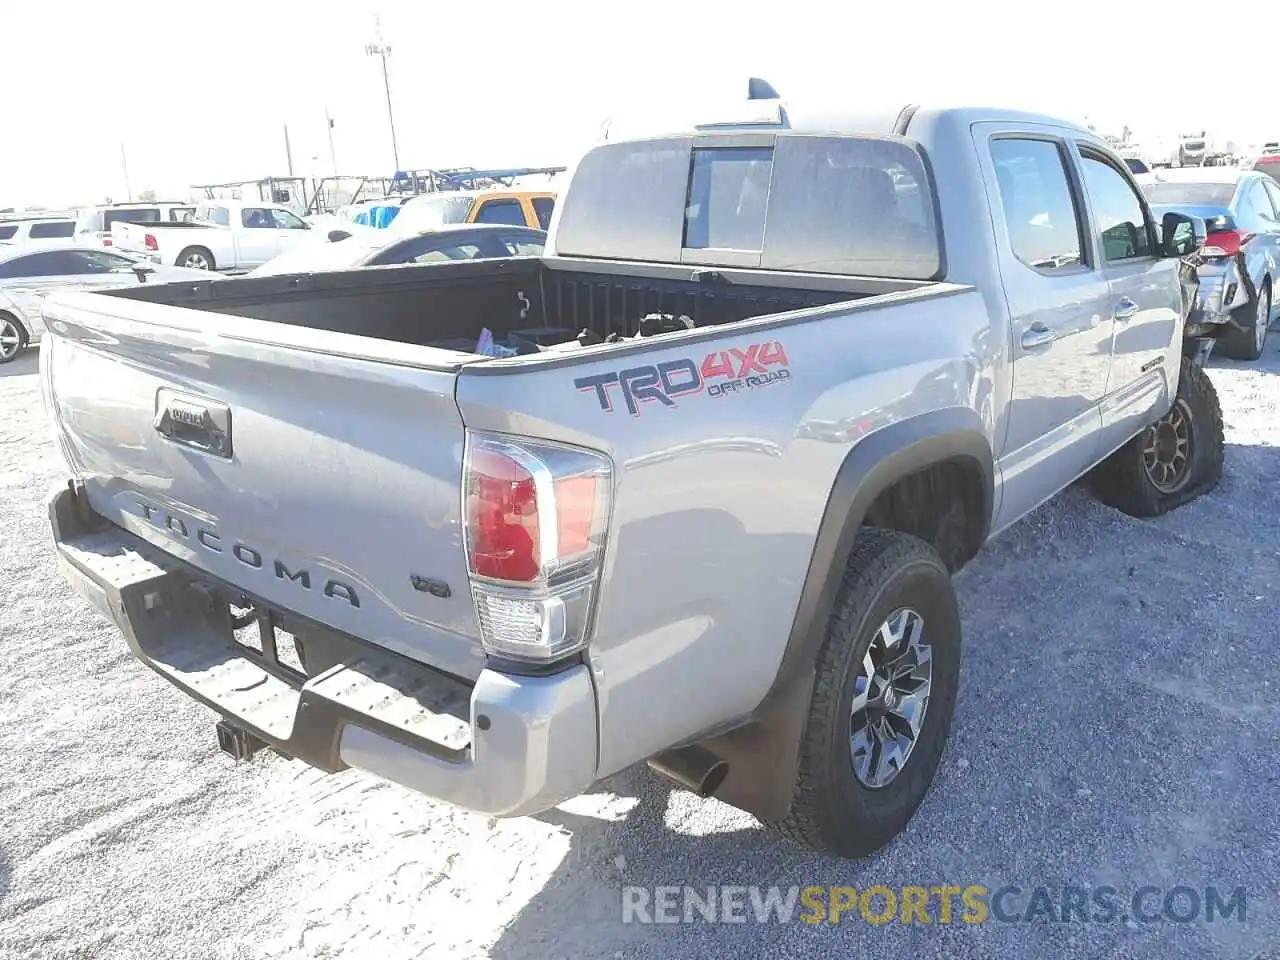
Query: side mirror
point(1181, 235)
point(142, 270)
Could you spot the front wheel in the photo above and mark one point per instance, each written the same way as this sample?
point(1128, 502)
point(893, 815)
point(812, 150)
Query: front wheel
point(13, 337)
point(1175, 460)
point(884, 694)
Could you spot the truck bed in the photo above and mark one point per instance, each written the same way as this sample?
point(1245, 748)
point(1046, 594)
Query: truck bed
point(448, 305)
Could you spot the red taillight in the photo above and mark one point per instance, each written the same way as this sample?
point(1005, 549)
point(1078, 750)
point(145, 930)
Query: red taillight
point(535, 517)
point(1225, 243)
point(149, 241)
point(576, 500)
point(106, 241)
point(502, 519)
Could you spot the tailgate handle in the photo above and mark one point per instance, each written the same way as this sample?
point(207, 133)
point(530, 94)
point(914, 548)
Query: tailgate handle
point(194, 422)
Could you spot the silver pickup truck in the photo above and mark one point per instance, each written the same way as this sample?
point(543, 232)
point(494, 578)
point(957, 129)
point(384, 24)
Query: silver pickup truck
point(689, 489)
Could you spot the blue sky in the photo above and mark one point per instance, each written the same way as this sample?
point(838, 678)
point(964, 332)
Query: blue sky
point(201, 92)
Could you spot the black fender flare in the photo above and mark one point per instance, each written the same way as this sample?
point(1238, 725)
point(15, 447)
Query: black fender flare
point(762, 753)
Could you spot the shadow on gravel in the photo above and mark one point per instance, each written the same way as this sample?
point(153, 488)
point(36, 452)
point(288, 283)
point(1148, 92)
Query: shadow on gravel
point(27, 362)
point(6, 875)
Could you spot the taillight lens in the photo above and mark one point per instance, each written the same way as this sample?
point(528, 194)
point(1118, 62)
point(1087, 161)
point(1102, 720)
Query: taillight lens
point(536, 516)
point(1225, 243)
point(149, 241)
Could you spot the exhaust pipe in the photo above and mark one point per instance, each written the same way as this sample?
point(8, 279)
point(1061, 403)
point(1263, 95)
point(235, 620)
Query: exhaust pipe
point(693, 767)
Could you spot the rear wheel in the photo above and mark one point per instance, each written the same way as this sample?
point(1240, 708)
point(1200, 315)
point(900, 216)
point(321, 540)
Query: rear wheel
point(13, 337)
point(1246, 336)
point(196, 258)
point(1173, 461)
point(884, 694)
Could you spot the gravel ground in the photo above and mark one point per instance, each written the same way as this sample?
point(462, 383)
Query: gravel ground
point(1117, 724)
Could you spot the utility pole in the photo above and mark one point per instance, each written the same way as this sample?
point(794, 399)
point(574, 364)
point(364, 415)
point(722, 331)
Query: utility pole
point(382, 51)
point(333, 157)
point(288, 151)
point(124, 164)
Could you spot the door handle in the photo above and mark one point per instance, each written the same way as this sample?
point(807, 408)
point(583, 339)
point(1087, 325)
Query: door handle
point(1125, 309)
point(1037, 335)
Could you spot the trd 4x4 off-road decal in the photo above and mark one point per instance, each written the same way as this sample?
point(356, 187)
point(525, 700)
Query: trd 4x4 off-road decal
point(723, 373)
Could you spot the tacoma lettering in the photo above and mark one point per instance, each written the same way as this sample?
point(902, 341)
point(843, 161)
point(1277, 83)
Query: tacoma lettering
point(190, 530)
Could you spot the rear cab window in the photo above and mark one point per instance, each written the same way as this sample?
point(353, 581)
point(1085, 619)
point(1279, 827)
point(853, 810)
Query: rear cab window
point(214, 214)
point(847, 205)
point(138, 215)
point(506, 211)
point(1197, 194)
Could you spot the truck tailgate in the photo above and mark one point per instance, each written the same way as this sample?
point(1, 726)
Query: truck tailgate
point(129, 236)
point(318, 472)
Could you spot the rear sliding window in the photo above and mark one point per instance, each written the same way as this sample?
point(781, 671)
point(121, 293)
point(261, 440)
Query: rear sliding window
point(137, 215)
point(839, 205)
point(1199, 194)
point(54, 229)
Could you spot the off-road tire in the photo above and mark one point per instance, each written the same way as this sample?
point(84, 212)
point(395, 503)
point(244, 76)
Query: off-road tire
point(8, 354)
point(831, 810)
point(1122, 481)
point(202, 252)
point(1240, 338)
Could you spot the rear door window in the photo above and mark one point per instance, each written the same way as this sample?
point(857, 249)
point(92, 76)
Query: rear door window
point(57, 229)
point(1040, 213)
point(54, 263)
point(8, 232)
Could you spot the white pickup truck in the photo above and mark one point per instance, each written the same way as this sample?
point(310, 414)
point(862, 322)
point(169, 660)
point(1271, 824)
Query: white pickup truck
point(222, 235)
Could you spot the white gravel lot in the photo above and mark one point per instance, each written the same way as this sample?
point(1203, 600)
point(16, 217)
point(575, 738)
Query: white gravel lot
point(1117, 724)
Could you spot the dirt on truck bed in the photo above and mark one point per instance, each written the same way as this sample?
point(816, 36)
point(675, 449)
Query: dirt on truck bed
point(1118, 724)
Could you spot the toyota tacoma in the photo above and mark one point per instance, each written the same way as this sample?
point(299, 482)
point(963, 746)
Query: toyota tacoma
point(689, 489)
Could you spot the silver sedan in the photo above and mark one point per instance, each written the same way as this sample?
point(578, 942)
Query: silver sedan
point(27, 276)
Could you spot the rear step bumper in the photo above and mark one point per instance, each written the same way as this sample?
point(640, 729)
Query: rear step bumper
point(506, 747)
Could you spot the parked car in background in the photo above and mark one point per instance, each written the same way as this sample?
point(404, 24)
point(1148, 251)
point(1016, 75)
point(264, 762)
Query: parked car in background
point(1240, 262)
point(221, 235)
point(439, 245)
point(38, 232)
point(519, 208)
point(94, 224)
point(27, 276)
